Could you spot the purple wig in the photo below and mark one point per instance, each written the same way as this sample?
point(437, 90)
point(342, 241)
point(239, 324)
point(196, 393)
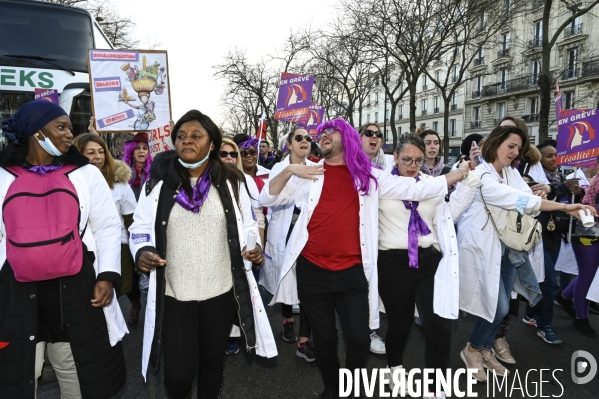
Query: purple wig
point(129, 159)
point(358, 163)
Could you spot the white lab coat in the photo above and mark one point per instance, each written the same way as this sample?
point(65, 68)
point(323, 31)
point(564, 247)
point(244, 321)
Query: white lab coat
point(480, 247)
point(306, 194)
point(144, 222)
point(278, 227)
point(102, 235)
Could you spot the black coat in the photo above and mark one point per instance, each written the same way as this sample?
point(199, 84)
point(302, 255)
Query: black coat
point(100, 367)
point(163, 170)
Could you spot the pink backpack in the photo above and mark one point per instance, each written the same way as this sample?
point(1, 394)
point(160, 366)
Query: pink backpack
point(41, 216)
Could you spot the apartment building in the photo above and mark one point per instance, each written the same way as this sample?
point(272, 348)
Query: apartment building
point(429, 110)
point(504, 75)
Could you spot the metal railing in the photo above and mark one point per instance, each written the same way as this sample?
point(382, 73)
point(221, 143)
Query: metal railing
point(537, 4)
point(436, 110)
point(570, 73)
point(536, 42)
point(590, 68)
point(424, 87)
point(503, 53)
point(572, 30)
point(476, 94)
point(475, 124)
point(454, 107)
point(479, 61)
point(399, 117)
point(533, 118)
point(455, 79)
point(423, 112)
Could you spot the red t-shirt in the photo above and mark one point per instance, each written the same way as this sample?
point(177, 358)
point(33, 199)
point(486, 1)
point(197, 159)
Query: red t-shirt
point(334, 228)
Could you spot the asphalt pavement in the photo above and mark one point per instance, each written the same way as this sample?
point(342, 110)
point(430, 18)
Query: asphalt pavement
point(288, 376)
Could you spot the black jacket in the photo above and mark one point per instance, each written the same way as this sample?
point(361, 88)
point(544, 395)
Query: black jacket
point(163, 170)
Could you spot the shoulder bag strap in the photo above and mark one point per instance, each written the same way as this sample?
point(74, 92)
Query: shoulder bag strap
point(489, 217)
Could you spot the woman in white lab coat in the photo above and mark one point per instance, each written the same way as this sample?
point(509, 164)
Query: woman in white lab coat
point(487, 267)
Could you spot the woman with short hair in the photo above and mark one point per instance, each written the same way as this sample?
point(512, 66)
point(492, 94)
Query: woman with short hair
point(489, 270)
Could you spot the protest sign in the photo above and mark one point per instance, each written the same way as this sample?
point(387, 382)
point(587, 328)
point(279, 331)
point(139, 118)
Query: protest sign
point(47, 95)
point(160, 140)
point(130, 90)
point(577, 143)
point(295, 93)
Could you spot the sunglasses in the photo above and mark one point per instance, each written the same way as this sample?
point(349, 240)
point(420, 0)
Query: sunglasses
point(370, 133)
point(232, 154)
point(326, 132)
point(251, 152)
point(299, 138)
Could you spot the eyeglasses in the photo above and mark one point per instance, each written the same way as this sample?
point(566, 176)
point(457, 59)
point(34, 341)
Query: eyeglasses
point(251, 152)
point(370, 133)
point(299, 138)
point(410, 161)
point(326, 132)
point(232, 154)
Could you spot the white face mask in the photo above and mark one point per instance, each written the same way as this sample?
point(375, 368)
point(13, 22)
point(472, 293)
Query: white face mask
point(48, 146)
point(195, 165)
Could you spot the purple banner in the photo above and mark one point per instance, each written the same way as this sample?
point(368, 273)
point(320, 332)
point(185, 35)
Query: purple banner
point(314, 118)
point(295, 93)
point(577, 143)
point(121, 116)
point(47, 95)
point(107, 84)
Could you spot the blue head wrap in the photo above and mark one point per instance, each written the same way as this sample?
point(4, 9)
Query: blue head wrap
point(29, 119)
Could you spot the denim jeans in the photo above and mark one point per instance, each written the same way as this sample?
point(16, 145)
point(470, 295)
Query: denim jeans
point(549, 289)
point(484, 332)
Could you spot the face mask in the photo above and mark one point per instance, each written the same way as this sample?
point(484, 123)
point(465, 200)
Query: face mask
point(48, 146)
point(194, 165)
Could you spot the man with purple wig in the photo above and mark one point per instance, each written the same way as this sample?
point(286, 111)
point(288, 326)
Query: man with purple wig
point(330, 264)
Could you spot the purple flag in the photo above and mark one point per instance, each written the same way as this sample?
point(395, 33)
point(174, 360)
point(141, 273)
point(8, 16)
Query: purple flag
point(315, 116)
point(577, 143)
point(47, 95)
point(295, 93)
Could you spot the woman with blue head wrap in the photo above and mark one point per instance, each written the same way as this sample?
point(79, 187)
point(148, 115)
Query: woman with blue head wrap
point(52, 303)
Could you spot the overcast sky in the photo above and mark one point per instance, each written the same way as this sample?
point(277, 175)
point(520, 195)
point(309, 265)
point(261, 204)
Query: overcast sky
point(197, 35)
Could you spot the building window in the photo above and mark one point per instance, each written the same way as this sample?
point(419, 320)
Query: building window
point(454, 104)
point(438, 76)
point(387, 115)
point(535, 72)
point(480, 59)
point(476, 117)
point(376, 98)
point(376, 117)
point(436, 105)
point(504, 46)
point(478, 86)
point(502, 78)
point(500, 112)
point(537, 34)
point(368, 102)
point(456, 74)
point(568, 101)
point(367, 118)
point(424, 104)
point(424, 82)
point(571, 64)
point(533, 109)
point(400, 112)
point(436, 126)
point(452, 129)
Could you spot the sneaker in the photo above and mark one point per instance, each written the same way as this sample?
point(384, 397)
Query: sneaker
point(548, 335)
point(531, 321)
point(501, 349)
point(400, 392)
point(232, 347)
point(377, 345)
point(594, 307)
point(584, 327)
point(417, 321)
point(490, 362)
point(474, 360)
point(566, 304)
point(306, 351)
point(288, 331)
point(295, 309)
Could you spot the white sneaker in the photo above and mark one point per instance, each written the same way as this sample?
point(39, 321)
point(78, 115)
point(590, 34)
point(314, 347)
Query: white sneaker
point(377, 345)
point(392, 384)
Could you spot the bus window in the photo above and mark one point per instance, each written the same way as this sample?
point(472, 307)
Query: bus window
point(60, 34)
point(101, 42)
point(80, 113)
point(11, 102)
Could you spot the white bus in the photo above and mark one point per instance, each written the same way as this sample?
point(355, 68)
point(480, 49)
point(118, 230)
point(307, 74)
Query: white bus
point(45, 45)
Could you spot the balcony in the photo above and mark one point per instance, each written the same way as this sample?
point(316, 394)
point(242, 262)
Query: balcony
point(503, 53)
point(536, 42)
point(475, 124)
point(570, 73)
point(518, 83)
point(454, 107)
point(496, 88)
point(479, 61)
point(590, 68)
point(423, 112)
point(533, 118)
point(399, 117)
point(572, 30)
point(436, 110)
point(424, 87)
point(476, 94)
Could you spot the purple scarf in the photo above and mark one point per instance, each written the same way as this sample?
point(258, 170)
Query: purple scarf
point(416, 228)
point(43, 169)
point(251, 141)
point(200, 193)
